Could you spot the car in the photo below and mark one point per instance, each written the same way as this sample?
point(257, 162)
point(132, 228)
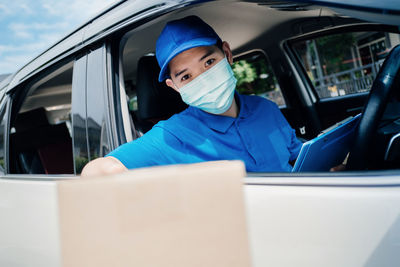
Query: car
point(320, 61)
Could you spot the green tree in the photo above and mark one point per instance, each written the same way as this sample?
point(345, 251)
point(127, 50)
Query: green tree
point(244, 72)
point(253, 76)
point(333, 50)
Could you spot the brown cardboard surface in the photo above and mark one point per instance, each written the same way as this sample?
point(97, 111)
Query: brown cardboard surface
point(181, 215)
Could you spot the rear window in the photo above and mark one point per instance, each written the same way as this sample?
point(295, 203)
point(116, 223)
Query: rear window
point(40, 134)
point(255, 76)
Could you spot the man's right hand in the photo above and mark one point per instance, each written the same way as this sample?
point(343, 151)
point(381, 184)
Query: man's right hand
point(103, 166)
point(338, 168)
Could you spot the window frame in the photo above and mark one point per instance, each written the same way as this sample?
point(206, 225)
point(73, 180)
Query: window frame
point(16, 98)
point(120, 130)
point(102, 72)
point(79, 94)
point(249, 53)
point(7, 106)
point(114, 58)
point(86, 58)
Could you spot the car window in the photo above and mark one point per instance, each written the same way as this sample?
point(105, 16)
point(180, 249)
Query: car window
point(345, 63)
point(255, 76)
point(40, 133)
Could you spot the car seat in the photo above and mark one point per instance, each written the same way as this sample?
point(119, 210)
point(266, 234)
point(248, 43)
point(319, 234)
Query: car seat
point(37, 147)
point(156, 101)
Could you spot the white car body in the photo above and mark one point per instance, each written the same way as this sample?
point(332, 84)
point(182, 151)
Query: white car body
point(310, 219)
point(315, 221)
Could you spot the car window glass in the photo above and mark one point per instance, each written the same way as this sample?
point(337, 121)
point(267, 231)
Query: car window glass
point(40, 134)
point(346, 63)
point(255, 76)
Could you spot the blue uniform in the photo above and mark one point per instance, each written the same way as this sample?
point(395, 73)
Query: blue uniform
point(260, 136)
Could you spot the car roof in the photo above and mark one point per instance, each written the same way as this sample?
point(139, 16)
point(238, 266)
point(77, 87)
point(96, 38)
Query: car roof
point(381, 11)
point(126, 12)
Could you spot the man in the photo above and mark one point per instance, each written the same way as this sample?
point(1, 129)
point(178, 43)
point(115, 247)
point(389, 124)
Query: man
point(219, 123)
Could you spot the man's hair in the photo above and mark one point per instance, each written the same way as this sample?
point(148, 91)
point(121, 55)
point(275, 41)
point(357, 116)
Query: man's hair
point(219, 44)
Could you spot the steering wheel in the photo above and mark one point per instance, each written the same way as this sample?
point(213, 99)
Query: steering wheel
point(387, 80)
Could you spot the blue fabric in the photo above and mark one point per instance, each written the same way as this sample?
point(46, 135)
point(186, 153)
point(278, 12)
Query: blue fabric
point(260, 136)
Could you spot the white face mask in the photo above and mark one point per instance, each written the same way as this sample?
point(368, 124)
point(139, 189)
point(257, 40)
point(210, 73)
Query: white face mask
point(213, 90)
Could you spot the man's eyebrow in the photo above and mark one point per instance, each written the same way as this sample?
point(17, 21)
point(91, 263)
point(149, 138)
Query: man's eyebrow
point(179, 73)
point(209, 53)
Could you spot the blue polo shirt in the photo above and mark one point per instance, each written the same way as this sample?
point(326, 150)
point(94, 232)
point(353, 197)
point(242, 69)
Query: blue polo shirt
point(260, 136)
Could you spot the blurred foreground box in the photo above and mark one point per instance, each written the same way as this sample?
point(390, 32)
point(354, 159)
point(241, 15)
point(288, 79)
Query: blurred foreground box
point(185, 215)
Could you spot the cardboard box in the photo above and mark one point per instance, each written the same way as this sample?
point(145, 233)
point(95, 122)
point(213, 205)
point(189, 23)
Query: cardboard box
point(185, 215)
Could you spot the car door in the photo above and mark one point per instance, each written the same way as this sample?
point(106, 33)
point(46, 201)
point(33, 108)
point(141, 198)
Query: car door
point(50, 126)
point(323, 219)
point(35, 126)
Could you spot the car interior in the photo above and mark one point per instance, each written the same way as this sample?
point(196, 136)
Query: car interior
point(279, 31)
point(227, 22)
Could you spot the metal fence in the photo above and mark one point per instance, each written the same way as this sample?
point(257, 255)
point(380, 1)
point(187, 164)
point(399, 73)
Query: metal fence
point(356, 80)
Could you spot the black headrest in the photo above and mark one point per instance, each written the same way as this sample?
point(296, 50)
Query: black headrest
point(31, 119)
point(155, 99)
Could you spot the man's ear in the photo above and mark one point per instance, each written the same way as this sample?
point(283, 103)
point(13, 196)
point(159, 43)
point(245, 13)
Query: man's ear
point(228, 52)
point(171, 84)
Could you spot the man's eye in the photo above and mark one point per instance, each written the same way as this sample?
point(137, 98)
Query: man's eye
point(185, 77)
point(209, 62)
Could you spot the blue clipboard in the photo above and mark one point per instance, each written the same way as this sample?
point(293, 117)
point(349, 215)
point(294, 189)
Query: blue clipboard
point(327, 150)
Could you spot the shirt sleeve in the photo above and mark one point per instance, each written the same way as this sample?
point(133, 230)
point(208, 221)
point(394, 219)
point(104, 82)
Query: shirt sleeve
point(153, 148)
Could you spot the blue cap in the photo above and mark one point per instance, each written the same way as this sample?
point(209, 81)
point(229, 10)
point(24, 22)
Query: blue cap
point(180, 35)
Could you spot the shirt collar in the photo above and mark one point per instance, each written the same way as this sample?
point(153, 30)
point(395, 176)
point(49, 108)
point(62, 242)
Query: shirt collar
point(221, 123)
point(244, 108)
